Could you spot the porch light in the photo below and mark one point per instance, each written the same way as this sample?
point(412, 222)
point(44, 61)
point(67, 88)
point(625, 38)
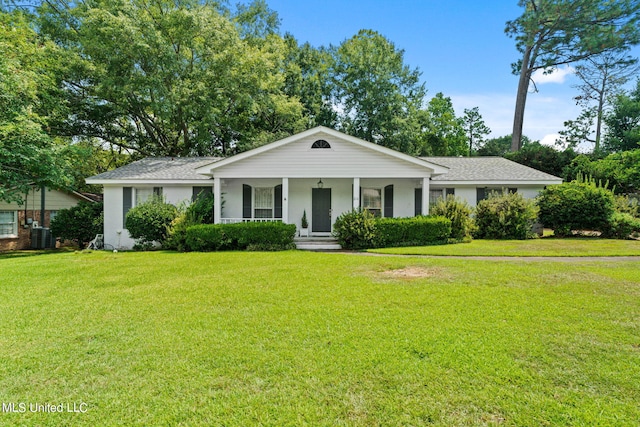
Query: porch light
point(320, 183)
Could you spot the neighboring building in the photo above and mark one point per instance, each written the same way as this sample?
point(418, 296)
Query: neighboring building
point(321, 171)
point(17, 221)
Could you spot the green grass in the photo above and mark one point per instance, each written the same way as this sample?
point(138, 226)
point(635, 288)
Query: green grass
point(571, 247)
point(298, 338)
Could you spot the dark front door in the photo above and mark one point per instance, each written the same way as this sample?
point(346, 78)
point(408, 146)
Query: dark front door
point(321, 210)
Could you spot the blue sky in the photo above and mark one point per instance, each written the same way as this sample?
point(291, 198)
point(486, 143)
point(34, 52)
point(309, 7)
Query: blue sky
point(458, 45)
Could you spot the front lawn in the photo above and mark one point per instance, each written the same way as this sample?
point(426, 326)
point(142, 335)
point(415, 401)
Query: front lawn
point(569, 247)
point(298, 338)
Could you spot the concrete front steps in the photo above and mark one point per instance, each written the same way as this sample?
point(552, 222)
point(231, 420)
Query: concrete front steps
point(317, 244)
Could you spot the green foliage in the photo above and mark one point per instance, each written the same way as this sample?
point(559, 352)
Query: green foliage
point(173, 78)
point(623, 122)
point(79, 223)
point(458, 212)
point(621, 226)
point(621, 170)
point(505, 216)
point(151, 221)
point(544, 158)
point(355, 230)
point(377, 93)
point(415, 231)
point(198, 212)
point(575, 206)
point(269, 236)
point(359, 229)
point(499, 146)
point(442, 133)
point(28, 156)
point(626, 204)
point(304, 223)
point(474, 127)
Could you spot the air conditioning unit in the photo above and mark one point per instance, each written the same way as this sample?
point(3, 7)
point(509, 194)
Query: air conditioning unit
point(41, 238)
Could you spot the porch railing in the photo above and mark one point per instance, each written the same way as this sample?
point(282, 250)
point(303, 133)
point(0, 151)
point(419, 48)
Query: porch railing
point(237, 220)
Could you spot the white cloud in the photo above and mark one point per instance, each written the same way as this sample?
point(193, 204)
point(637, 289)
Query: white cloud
point(558, 75)
point(550, 139)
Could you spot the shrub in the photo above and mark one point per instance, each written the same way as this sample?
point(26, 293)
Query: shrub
point(198, 212)
point(79, 224)
point(575, 206)
point(458, 212)
point(247, 235)
point(150, 221)
point(621, 226)
point(360, 230)
point(505, 216)
point(355, 230)
point(417, 231)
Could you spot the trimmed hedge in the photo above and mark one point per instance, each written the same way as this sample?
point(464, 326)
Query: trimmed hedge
point(241, 236)
point(359, 230)
point(417, 231)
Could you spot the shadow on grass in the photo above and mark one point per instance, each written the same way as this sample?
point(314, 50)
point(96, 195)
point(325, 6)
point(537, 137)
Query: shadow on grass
point(33, 252)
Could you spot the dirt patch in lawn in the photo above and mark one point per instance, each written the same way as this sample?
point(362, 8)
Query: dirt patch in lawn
point(411, 272)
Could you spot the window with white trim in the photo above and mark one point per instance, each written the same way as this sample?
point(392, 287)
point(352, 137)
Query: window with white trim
point(263, 202)
point(8, 224)
point(372, 201)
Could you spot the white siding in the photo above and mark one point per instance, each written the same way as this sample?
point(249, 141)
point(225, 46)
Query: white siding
point(469, 192)
point(342, 160)
point(113, 218)
point(300, 191)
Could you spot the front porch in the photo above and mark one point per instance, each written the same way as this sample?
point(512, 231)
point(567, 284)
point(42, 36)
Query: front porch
point(322, 199)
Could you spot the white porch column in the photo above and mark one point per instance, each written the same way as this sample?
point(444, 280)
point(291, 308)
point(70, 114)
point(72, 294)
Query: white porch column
point(285, 200)
point(217, 201)
point(425, 196)
point(356, 193)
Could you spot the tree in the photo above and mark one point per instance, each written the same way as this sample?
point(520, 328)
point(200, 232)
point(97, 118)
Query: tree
point(497, 146)
point(376, 93)
point(308, 77)
point(442, 132)
point(551, 33)
point(620, 171)
point(28, 156)
point(601, 75)
point(172, 77)
point(544, 158)
point(474, 127)
point(623, 122)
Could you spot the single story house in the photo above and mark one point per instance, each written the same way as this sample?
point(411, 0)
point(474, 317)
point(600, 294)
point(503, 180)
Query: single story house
point(321, 171)
point(39, 208)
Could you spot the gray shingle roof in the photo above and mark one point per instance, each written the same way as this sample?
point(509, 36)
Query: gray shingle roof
point(486, 169)
point(160, 168)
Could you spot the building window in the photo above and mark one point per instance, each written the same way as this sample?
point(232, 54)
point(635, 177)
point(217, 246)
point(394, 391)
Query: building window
point(143, 194)
point(372, 201)
point(321, 143)
point(8, 223)
point(263, 202)
point(435, 195)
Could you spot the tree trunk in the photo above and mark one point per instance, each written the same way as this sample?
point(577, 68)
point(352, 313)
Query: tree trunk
point(521, 100)
point(599, 118)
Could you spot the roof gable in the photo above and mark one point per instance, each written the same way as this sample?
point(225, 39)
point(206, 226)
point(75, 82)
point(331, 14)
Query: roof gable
point(346, 156)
